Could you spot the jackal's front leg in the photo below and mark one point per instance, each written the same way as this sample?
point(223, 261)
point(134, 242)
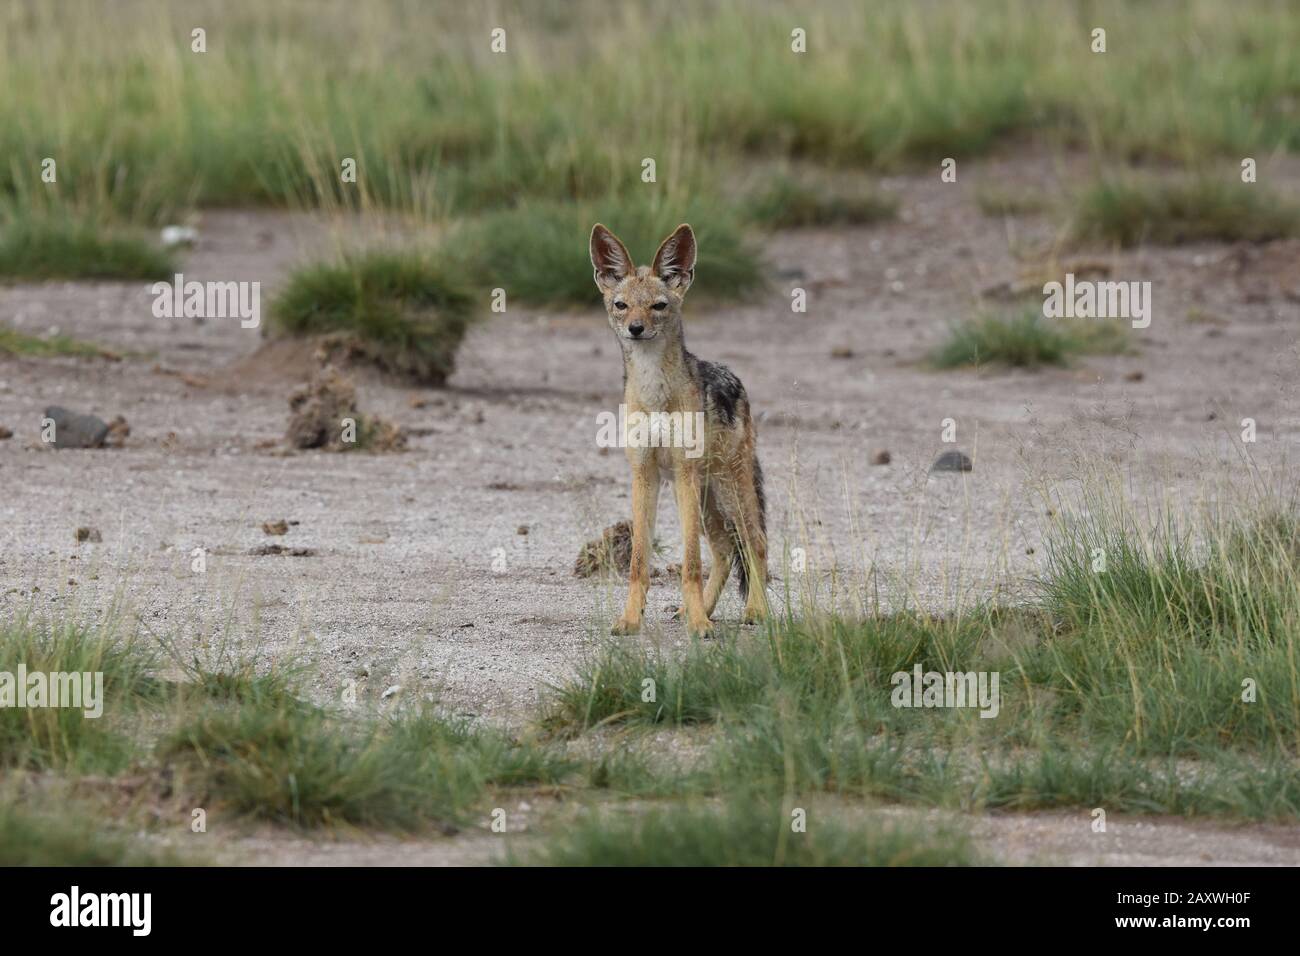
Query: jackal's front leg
point(687, 485)
point(645, 498)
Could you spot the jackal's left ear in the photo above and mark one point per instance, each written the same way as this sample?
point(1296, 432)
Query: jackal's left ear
point(675, 260)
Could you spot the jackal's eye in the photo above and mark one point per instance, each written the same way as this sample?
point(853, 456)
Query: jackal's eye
point(620, 306)
point(659, 306)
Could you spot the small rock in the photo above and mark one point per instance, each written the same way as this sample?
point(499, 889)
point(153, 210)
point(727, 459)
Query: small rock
point(275, 527)
point(952, 461)
point(89, 534)
point(881, 457)
point(522, 529)
point(73, 430)
point(841, 351)
point(277, 549)
point(118, 429)
point(1137, 376)
point(5, 433)
point(391, 692)
point(174, 236)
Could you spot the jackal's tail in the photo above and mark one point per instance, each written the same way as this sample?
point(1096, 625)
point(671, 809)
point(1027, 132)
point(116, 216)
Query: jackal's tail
point(738, 563)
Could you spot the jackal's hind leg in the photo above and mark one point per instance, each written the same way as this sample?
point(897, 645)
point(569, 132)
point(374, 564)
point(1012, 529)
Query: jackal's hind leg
point(721, 547)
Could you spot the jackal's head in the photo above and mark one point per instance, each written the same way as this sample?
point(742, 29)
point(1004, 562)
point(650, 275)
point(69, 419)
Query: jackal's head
point(646, 302)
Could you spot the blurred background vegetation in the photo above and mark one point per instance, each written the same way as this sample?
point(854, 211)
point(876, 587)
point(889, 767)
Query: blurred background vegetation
point(143, 128)
point(514, 146)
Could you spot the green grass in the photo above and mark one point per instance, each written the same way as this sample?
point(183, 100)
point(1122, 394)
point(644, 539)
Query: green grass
point(786, 202)
point(280, 760)
point(539, 253)
point(401, 311)
point(745, 833)
point(1027, 341)
point(1120, 688)
point(38, 249)
point(1172, 213)
point(13, 342)
point(146, 128)
point(1000, 201)
point(68, 837)
point(64, 738)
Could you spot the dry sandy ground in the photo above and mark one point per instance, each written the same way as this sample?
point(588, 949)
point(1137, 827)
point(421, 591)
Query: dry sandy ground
point(407, 579)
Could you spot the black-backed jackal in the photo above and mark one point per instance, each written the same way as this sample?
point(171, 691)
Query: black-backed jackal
point(718, 483)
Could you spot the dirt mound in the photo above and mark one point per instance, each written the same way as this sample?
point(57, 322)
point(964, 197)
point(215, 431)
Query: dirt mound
point(274, 363)
point(325, 415)
point(612, 551)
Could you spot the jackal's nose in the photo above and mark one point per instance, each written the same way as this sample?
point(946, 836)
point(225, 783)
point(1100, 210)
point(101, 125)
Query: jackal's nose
point(635, 330)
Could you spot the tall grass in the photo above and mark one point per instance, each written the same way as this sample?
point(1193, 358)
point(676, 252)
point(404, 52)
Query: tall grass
point(65, 738)
point(67, 836)
point(143, 126)
point(1026, 340)
point(1143, 652)
point(36, 249)
point(789, 202)
point(281, 760)
point(1130, 212)
point(538, 252)
point(745, 833)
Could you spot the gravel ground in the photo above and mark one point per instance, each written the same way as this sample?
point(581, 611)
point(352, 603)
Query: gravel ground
point(420, 575)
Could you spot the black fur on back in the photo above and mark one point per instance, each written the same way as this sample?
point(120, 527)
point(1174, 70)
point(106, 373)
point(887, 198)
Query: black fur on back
point(723, 392)
point(724, 399)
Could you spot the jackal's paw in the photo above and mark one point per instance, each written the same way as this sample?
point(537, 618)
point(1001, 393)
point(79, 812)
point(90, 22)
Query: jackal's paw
point(702, 628)
point(624, 626)
point(755, 615)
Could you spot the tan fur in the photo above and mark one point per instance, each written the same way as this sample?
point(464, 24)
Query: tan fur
point(712, 491)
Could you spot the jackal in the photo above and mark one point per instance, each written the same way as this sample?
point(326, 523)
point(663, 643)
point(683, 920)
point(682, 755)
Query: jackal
point(719, 491)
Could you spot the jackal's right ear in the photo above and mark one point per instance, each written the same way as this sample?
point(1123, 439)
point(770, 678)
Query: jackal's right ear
point(609, 258)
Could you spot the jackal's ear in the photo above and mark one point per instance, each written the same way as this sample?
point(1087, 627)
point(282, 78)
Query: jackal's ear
point(609, 258)
point(675, 260)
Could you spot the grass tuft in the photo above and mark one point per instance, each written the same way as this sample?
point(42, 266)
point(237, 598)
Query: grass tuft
point(38, 249)
point(1027, 341)
point(397, 310)
point(745, 833)
point(1172, 213)
point(280, 760)
point(785, 202)
point(66, 837)
point(64, 738)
